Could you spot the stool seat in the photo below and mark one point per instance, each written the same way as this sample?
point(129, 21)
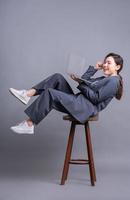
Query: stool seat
point(90, 160)
point(70, 118)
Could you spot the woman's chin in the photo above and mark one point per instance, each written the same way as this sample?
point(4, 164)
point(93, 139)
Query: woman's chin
point(106, 74)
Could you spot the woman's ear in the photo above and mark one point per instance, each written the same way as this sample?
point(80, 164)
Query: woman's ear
point(118, 67)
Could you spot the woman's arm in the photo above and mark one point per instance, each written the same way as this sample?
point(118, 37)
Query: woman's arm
point(92, 70)
point(108, 90)
point(97, 83)
point(89, 73)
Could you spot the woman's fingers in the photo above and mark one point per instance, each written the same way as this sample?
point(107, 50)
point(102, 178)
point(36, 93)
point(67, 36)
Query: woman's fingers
point(74, 77)
point(99, 65)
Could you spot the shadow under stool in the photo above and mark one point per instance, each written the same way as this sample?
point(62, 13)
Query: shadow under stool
point(90, 160)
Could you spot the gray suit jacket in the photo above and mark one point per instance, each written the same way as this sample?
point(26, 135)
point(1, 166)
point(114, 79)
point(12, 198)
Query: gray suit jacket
point(94, 95)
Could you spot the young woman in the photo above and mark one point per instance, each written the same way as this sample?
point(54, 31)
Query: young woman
point(55, 93)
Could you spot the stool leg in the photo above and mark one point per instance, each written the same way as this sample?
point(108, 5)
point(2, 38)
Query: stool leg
point(68, 154)
point(90, 154)
point(94, 171)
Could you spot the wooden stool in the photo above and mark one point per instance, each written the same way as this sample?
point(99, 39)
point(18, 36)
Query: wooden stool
point(68, 159)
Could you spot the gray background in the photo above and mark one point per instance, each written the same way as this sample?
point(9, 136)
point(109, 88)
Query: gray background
point(35, 38)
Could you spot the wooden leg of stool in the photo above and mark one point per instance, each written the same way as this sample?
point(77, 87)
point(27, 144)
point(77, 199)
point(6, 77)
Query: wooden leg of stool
point(90, 154)
point(68, 154)
point(94, 171)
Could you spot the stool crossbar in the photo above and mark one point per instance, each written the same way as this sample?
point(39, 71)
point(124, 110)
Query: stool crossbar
point(68, 160)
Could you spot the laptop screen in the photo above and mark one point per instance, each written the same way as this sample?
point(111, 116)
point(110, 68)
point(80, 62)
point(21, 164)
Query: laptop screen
point(76, 65)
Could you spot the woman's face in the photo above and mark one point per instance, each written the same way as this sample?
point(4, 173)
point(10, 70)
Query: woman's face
point(110, 68)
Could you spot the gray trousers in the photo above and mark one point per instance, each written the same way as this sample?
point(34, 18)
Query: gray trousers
point(48, 99)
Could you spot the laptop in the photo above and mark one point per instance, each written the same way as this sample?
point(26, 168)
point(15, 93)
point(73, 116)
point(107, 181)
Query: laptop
point(76, 66)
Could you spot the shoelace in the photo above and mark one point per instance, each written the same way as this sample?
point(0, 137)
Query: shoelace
point(23, 93)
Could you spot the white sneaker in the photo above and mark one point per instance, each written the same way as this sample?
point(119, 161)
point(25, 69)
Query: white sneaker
point(20, 94)
point(22, 128)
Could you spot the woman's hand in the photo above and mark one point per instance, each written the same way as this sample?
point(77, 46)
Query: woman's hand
point(99, 65)
point(75, 78)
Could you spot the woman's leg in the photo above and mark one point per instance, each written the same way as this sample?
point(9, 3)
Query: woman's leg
point(38, 110)
point(47, 100)
point(55, 81)
point(31, 92)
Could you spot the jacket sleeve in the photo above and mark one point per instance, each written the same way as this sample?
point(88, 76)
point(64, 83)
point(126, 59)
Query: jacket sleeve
point(96, 84)
point(93, 83)
point(89, 73)
point(109, 90)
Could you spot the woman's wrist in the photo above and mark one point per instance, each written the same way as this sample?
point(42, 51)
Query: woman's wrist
point(99, 65)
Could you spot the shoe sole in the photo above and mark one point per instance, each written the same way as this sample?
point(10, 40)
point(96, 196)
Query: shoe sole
point(15, 95)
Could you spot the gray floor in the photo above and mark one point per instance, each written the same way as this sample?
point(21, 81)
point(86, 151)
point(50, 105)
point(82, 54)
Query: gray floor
point(28, 176)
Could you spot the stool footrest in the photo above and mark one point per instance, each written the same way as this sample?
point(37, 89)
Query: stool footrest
point(79, 162)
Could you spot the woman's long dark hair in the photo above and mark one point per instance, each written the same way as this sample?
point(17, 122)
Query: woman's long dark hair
point(119, 61)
